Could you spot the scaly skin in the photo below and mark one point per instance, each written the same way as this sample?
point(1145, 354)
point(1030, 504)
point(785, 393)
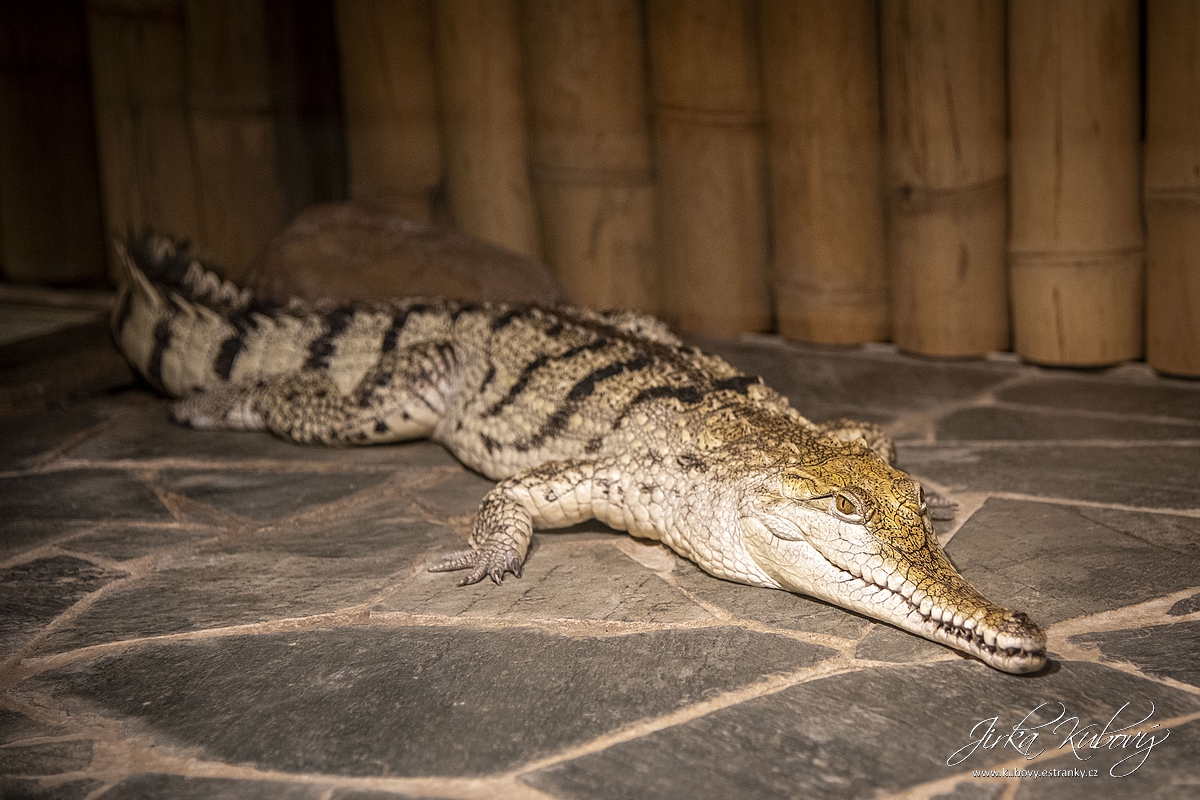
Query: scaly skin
point(578, 415)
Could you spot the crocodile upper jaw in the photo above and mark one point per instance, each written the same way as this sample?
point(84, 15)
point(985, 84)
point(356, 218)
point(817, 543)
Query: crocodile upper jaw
point(1007, 651)
point(1003, 639)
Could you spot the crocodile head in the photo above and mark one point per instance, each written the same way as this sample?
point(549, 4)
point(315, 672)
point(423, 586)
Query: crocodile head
point(847, 527)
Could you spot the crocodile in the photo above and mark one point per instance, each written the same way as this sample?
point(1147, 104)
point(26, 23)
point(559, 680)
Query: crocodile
point(578, 414)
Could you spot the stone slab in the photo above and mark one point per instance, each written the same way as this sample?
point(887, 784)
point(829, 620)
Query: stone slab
point(24, 441)
point(26, 789)
point(410, 701)
point(1017, 424)
point(1178, 399)
point(298, 572)
point(972, 791)
point(125, 543)
point(15, 727)
point(771, 607)
point(49, 758)
point(153, 786)
point(886, 729)
point(815, 377)
point(89, 494)
point(153, 435)
point(885, 643)
point(34, 593)
point(1057, 562)
point(1171, 771)
point(261, 496)
point(59, 367)
point(1188, 605)
point(565, 580)
point(1139, 475)
point(1165, 651)
point(20, 535)
point(457, 495)
point(367, 794)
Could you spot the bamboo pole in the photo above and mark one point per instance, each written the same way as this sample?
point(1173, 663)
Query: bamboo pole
point(943, 67)
point(139, 75)
point(50, 223)
point(1172, 185)
point(591, 150)
point(822, 97)
point(1075, 243)
point(232, 128)
point(484, 133)
point(390, 99)
point(709, 155)
point(306, 102)
point(184, 125)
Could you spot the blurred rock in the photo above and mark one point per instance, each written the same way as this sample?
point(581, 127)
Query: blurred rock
point(353, 250)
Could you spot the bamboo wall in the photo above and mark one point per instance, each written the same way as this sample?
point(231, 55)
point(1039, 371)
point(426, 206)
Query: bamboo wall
point(957, 176)
point(51, 228)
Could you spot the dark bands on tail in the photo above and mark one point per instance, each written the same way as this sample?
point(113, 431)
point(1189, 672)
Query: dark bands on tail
point(162, 340)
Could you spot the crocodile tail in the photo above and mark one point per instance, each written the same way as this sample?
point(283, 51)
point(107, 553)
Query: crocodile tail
point(173, 313)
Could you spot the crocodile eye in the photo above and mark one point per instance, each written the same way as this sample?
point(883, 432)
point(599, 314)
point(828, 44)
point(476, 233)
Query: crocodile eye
point(845, 506)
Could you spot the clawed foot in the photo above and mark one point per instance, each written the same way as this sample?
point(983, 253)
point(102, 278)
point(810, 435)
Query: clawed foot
point(940, 508)
point(227, 407)
point(493, 562)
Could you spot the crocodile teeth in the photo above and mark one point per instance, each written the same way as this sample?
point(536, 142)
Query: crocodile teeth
point(919, 596)
point(989, 637)
point(926, 606)
point(958, 621)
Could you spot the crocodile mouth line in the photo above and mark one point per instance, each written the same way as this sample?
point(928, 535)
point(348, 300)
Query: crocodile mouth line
point(939, 624)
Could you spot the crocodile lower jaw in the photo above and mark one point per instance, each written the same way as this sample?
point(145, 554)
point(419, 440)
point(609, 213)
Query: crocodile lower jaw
point(937, 624)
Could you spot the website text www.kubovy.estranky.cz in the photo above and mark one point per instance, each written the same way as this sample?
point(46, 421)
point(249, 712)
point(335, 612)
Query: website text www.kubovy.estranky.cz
point(1074, 772)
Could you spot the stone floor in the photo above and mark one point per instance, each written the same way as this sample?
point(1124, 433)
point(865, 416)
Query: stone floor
point(219, 615)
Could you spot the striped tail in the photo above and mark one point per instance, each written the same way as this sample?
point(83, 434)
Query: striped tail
point(174, 318)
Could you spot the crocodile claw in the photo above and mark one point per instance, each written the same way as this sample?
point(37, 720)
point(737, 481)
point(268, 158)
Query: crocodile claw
point(492, 562)
point(941, 508)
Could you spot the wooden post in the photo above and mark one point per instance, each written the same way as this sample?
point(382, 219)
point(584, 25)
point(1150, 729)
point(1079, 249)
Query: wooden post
point(822, 91)
point(306, 103)
point(591, 150)
point(139, 79)
point(1173, 186)
point(943, 67)
point(390, 100)
point(485, 137)
point(1075, 242)
point(184, 122)
point(232, 129)
point(709, 154)
point(50, 222)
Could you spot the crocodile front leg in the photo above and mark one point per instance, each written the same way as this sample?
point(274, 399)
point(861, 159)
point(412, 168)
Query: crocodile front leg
point(552, 495)
point(870, 434)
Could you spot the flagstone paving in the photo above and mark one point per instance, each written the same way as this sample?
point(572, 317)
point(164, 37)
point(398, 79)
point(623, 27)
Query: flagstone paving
point(218, 615)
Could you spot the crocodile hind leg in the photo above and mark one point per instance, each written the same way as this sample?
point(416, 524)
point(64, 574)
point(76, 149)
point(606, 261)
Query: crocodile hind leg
point(552, 495)
point(231, 407)
point(402, 397)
